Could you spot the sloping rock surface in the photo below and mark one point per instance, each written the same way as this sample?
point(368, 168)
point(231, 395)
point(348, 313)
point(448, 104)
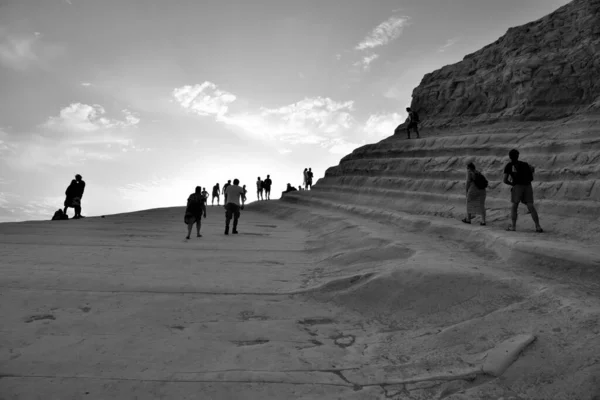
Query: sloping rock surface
point(546, 69)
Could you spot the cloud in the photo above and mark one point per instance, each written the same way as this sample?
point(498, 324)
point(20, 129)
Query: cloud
point(204, 99)
point(86, 84)
point(21, 52)
point(383, 125)
point(341, 146)
point(308, 121)
point(449, 43)
point(83, 118)
point(384, 33)
point(365, 63)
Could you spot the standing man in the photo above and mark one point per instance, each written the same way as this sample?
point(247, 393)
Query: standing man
point(259, 189)
point(196, 207)
point(233, 195)
point(309, 176)
point(225, 186)
point(205, 195)
point(267, 185)
point(216, 193)
point(305, 177)
point(412, 122)
point(74, 194)
point(519, 175)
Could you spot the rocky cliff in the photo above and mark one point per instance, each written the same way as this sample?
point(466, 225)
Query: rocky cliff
point(536, 89)
point(546, 69)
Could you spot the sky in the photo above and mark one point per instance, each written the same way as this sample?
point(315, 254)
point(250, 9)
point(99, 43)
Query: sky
point(147, 99)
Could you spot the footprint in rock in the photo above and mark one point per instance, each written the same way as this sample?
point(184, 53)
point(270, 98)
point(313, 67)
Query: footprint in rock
point(39, 317)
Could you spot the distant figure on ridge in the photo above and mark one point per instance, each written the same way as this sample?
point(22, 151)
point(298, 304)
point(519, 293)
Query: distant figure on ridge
point(244, 197)
point(232, 207)
point(74, 194)
point(412, 122)
point(225, 186)
point(196, 207)
point(216, 193)
point(309, 178)
point(259, 189)
point(476, 193)
point(267, 185)
point(305, 178)
point(519, 175)
point(205, 195)
point(289, 188)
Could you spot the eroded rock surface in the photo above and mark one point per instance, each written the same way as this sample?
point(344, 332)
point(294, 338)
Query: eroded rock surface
point(546, 69)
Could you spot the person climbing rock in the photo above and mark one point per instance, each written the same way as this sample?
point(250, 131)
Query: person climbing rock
point(412, 122)
point(519, 175)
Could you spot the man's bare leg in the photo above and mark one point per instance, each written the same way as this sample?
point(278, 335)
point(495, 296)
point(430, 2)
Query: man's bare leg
point(189, 230)
point(535, 217)
point(513, 216)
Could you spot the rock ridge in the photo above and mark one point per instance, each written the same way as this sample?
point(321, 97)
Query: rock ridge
point(544, 70)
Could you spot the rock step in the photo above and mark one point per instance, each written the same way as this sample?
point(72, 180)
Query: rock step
point(563, 191)
point(451, 205)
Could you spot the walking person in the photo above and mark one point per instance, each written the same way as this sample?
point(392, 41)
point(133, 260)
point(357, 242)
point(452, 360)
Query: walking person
point(519, 175)
point(412, 122)
point(196, 208)
point(233, 195)
point(216, 193)
point(74, 193)
point(259, 189)
point(225, 186)
point(267, 185)
point(476, 192)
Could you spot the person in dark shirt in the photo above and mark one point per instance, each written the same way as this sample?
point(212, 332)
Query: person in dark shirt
point(309, 178)
point(267, 185)
point(519, 175)
point(196, 207)
point(216, 193)
point(412, 122)
point(74, 194)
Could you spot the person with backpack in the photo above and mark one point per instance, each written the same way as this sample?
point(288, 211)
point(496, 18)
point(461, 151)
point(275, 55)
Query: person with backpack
point(412, 122)
point(196, 207)
point(476, 192)
point(519, 175)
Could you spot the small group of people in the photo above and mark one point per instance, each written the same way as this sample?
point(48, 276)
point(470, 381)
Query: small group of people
point(517, 174)
point(235, 198)
point(307, 179)
point(74, 193)
point(263, 186)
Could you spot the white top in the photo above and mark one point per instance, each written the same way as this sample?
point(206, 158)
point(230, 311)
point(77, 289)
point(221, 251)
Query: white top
point(234, 193)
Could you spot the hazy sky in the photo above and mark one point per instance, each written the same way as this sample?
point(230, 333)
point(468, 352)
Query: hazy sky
point(149, 98)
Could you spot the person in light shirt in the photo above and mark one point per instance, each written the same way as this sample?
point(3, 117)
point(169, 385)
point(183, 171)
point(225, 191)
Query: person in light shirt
point(235, 196)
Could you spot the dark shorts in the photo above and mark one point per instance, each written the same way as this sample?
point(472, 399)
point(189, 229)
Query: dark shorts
point(268, 189)
point(190, 219)
point(521, 194)
point(232, 210)
point(72, 202)
point(215, 195)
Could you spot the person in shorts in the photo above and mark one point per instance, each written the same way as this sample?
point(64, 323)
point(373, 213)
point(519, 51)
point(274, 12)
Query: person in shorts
point(216, 193)
point(259, 189)
point(196, 208)
point(267, 185)
point(235, 197)
point(519, 175)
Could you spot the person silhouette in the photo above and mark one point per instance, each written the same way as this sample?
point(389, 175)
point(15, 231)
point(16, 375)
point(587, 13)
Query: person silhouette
point(196, 207)
point(74, 193)
point(233, 195)
point(267, 185)
point(216, 193)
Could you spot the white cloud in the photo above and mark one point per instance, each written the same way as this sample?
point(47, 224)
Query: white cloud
point(365, 63)
point(384, 33)
point(205, 99)
point(86, 84)
point(20, 52)
point(449, 43)
point(78, 117)
point(383, 125)
point(340, 146)
point(309, 121)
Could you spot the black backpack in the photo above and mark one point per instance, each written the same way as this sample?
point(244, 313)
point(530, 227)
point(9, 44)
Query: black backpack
point(415, 117)
point(480, 181)
point(524, 173)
